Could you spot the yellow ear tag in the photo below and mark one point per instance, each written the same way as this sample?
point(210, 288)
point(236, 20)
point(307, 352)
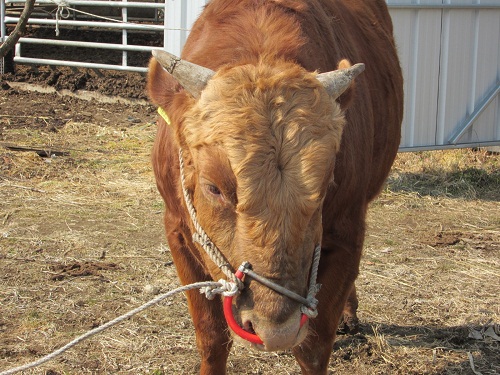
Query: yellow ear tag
point(164, 115)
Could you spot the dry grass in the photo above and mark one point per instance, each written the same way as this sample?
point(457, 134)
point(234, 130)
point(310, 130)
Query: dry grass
point(81, 242)
point(466, 174)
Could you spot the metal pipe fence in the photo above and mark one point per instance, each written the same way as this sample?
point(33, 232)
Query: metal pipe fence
point(88, 15)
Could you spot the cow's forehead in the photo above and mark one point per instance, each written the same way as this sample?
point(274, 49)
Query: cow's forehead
point(278, 127)
point(246, 104)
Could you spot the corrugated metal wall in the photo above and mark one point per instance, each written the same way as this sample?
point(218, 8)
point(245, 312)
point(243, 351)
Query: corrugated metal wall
point(180, 15)
point(450, 54)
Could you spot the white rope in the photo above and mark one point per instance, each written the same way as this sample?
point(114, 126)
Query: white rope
point(201, 236)
point(227, 289)
point(311, 309)
point(209, 287)
point(62, 6)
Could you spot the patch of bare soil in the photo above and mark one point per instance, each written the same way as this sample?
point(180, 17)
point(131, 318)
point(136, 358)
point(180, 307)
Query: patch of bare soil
point(81, 242)
point(124, 84)
point(79, 269)
point(112, 83)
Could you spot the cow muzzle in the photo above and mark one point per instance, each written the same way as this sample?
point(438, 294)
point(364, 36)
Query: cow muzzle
point(274, 336)
point(267, 336)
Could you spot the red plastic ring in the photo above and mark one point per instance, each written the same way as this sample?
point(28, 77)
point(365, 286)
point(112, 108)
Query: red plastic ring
point(233, 324)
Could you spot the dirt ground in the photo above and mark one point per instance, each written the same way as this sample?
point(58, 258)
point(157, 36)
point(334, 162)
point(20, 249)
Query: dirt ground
point(81, 242)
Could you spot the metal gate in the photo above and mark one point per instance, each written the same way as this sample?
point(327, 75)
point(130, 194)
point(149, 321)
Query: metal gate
point(170, 18)
point(449, 51)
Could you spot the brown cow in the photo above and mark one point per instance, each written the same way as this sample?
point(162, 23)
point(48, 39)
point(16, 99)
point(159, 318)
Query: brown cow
point(277, 160)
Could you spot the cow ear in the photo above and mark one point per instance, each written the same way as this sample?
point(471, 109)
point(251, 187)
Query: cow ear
point(192, 77)
point(338, 81)
point(161, 86)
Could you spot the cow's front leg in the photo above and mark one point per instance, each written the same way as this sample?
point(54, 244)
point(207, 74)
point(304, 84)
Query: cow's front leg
point(313, 355)
point(212, 334)
point(337, 272)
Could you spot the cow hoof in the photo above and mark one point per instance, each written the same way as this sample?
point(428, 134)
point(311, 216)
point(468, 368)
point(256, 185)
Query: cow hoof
point(349, 325)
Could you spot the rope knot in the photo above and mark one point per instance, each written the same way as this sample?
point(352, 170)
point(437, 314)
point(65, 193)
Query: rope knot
point(312, 303)
point(226, 288)
point(314, 289)
point(311, 313)
point(63, 11)
point(311, 308)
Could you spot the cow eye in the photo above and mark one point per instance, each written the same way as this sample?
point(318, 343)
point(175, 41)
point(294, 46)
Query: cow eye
point(214, 190)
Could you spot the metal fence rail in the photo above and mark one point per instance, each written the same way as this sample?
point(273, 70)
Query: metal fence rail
point(67, 13)
point(67, 43)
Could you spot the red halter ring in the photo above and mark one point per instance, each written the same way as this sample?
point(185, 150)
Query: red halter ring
point(233, 324)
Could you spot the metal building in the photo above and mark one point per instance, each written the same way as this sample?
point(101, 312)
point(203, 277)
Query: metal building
point(450, 54)
point(449, 51)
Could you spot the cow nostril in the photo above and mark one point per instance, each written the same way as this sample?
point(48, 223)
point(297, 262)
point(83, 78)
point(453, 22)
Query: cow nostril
point(247, 326)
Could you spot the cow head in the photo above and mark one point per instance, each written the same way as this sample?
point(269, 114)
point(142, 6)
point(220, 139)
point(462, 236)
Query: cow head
point(259, 141)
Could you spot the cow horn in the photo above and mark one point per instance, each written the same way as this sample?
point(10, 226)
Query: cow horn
point(192, 77)
point(337, 81)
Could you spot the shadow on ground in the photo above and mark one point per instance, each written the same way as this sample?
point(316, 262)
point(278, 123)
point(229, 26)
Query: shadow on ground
point(469, 183)
point(376, 340)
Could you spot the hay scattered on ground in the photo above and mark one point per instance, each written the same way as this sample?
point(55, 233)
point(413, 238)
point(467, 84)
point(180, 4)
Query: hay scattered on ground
point(81, 242)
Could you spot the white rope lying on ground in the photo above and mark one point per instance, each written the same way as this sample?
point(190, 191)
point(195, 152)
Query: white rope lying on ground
point(205, 286)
